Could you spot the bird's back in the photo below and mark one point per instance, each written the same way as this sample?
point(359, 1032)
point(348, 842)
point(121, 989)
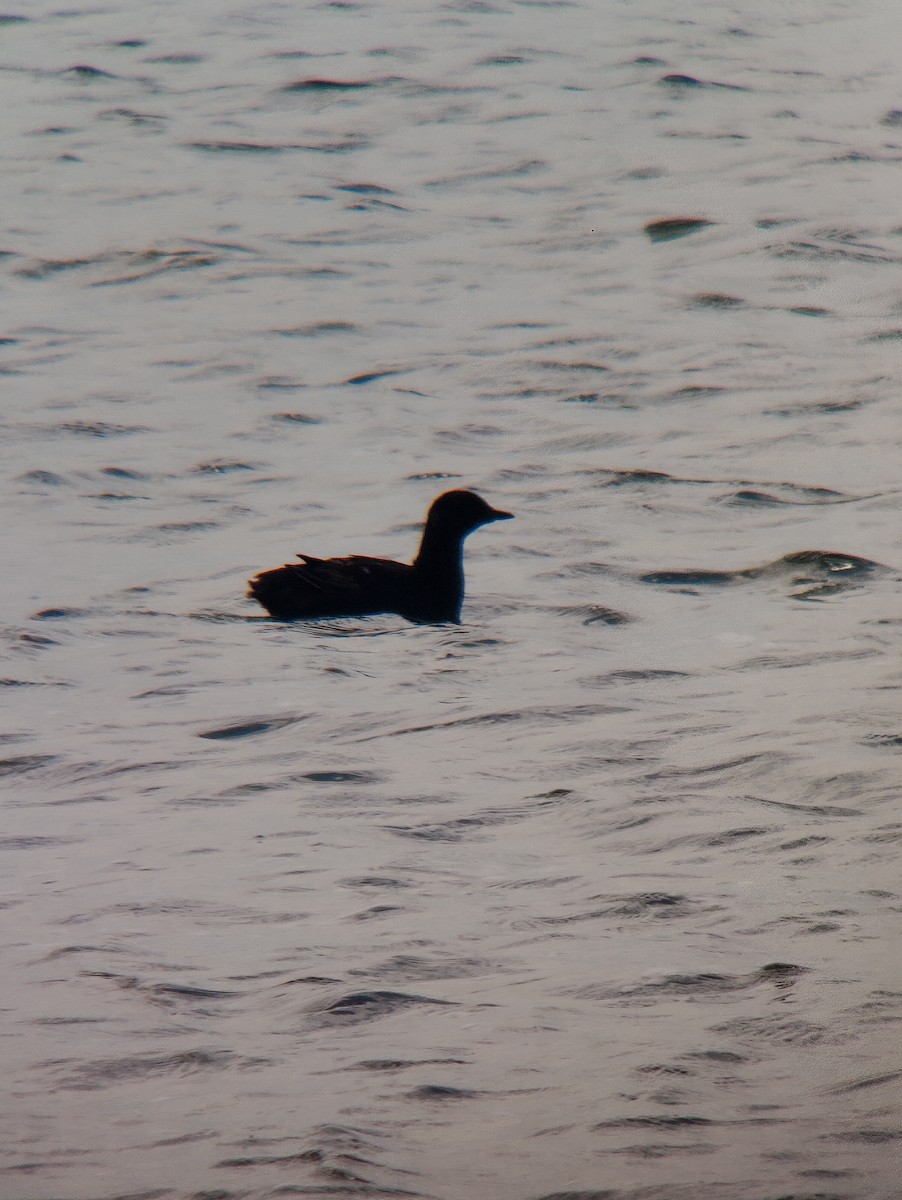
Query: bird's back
point(333, 587)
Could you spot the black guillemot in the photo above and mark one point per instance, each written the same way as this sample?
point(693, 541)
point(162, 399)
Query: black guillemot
point(430, 589)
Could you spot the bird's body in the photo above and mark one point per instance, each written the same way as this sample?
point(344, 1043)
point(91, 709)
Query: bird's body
point(430, 589)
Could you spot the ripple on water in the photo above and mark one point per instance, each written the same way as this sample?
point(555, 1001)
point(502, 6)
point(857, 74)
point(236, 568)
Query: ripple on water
point(245, 729)
point(669, 229)
point(116, 267)
point(815, 574)
point(107, 1072)
point(357, 1007)
point(24, 763)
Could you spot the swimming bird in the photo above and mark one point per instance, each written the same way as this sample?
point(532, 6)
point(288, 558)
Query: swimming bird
point(430, 589)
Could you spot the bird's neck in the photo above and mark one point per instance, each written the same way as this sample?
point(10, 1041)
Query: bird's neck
point(439, 554)
point(438, 567)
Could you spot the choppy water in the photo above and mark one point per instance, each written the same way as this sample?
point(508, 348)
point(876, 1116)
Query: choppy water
point(598, 894)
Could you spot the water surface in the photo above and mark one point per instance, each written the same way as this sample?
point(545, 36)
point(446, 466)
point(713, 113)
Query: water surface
point(596, 894)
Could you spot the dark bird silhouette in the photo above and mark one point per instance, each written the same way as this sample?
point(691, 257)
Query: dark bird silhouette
point(430, 589)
